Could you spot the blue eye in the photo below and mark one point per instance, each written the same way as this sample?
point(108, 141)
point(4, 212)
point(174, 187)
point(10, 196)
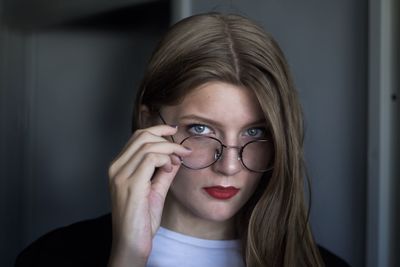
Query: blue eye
point(255, 132)
point(198, 129)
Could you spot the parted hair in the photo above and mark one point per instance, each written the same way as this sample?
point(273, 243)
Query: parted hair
point(273, 224)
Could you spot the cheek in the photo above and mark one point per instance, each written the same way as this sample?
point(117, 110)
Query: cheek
point(252, 182)
point(187, 179)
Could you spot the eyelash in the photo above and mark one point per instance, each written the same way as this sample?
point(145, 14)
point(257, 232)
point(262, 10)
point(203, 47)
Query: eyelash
point(260, 129)
point(191, 129)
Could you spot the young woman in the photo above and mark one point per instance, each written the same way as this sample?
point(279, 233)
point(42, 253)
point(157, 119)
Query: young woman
point(213, 173)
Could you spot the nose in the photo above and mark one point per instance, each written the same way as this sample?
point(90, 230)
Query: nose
point(229, 162)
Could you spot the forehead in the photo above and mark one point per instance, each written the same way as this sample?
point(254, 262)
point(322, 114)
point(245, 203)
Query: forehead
point(220, 101)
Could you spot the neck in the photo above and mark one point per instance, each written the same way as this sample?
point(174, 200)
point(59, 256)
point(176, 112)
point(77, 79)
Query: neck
point(179, 219)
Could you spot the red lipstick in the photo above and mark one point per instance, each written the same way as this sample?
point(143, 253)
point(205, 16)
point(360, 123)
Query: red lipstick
point(220, 192)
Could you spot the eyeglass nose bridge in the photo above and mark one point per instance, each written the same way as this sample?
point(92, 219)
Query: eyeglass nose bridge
point(220, 155)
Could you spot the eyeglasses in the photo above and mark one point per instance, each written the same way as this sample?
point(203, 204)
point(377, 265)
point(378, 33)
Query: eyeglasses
point(206, 150)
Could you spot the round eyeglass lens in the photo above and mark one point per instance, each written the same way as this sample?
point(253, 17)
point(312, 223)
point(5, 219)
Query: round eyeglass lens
point(256, 155)
point(205, 151)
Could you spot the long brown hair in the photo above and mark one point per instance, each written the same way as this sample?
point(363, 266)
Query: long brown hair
point(273, 225)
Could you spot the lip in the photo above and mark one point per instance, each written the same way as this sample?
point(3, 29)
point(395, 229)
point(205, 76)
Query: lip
point(221, 192)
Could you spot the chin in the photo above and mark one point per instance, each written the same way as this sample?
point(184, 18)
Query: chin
point(219, 213)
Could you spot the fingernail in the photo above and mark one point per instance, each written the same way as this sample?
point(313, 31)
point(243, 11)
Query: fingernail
point(187, 148)
point(174, 126)
point(168, 168)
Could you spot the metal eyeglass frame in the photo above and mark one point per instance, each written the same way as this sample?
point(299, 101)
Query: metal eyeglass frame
point(219, 155)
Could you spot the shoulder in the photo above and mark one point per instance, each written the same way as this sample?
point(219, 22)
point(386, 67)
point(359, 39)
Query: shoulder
point(85, 243)
point(330, 259)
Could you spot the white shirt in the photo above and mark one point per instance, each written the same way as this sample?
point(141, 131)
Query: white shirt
point(172, 249)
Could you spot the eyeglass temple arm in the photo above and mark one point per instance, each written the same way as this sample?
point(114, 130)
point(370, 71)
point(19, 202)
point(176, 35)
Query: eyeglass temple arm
point(162, 119)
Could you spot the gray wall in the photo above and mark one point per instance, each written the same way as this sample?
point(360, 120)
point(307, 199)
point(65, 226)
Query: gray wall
point(326, 45)
point(67, 93)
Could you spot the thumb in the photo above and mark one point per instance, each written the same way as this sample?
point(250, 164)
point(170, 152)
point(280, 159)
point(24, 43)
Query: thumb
point(162, 180)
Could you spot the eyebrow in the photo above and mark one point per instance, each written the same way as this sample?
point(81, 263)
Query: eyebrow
point(216, 123)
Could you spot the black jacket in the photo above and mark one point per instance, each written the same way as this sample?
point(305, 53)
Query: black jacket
point(88, 243)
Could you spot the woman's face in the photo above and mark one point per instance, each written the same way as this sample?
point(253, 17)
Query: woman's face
point(216, 193)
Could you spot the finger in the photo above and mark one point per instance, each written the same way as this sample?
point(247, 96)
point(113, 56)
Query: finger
point(162, 182)
point(146, 168)
point(157, 130)
point(164, 148)
point(120, 186)
point(175, 159)
point(148, 135)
